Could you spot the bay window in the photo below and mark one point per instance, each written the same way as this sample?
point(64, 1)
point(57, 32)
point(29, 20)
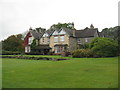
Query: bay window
point(55, 39)
point(61, 38)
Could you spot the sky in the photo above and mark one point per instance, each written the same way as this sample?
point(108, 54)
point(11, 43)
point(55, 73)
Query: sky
point(18, 15)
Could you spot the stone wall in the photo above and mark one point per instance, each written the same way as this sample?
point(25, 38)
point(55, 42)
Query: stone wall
point(45, 40)
point(72, 44)
point(52, 43)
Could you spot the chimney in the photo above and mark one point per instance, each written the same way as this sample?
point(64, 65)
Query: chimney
point(91, 26)
point(71, 25)
point(74, 32)
point(30, 28)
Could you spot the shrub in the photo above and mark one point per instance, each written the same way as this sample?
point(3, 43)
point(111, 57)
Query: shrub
point(65, 53)
point(82, 53)
point(50, 53)
point(104, 47)
point(84, 46)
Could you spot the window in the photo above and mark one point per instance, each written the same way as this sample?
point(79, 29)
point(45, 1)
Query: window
point(42, 40)
point(58, 49)
point(86, 40)
point(29, 40)
point(29, 49)
point(26, 49)
point(78, 40)
point(55, 39)
point(61, 38)
point(62, 32)
point(48, 40)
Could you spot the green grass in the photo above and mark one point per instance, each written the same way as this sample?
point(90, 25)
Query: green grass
point(74, 73)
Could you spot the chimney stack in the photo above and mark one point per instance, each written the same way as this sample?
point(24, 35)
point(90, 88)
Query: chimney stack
point(30, 28)
point(74, 32)
point(91, 26)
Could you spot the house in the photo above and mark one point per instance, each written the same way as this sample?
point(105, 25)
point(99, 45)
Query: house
point(59, 40)
point(30, 36)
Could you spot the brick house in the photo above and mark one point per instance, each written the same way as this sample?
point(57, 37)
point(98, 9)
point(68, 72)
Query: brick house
point(60, 40)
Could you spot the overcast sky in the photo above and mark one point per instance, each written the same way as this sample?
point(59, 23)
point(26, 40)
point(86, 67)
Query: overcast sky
point(18, 15)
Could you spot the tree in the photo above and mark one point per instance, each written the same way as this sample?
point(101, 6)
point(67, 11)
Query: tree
point(104, 47)
point(19, 36)
point(65, 25)
point(33, 45)
point(112, 32)
point(12, 43)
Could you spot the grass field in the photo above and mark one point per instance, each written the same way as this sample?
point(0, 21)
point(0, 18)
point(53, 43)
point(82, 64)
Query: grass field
point(74, 73)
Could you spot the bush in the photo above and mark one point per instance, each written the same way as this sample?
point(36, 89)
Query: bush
point(82, 53)
point(84, 46)
point(104, 47)
point(65, 53)
point(50, 53)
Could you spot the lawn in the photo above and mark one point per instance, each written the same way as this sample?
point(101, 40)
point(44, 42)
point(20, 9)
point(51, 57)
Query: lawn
point(73, 73)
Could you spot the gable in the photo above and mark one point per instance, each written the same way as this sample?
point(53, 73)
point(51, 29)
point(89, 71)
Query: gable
point(96, 34)
point(62, 32)
point(55, 33)
point(45, 35)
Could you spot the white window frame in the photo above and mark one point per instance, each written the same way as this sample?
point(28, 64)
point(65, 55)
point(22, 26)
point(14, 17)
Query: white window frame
point(30, 40)
point(62, 32)
point(55, 39)
point(43, 40)
point(62, 38)
point(86, 39)
point(79, 41)
point(29, 50)
point(48, 40)
point(26, 49)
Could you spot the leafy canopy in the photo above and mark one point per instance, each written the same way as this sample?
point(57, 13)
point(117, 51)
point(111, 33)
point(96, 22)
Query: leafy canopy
point(13, 43)
point(104, 47)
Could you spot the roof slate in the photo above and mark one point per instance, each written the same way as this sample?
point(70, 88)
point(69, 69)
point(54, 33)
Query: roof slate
point(87, 32)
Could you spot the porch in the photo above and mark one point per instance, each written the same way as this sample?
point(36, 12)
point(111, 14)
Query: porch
point(41, 49)
point(59, 48)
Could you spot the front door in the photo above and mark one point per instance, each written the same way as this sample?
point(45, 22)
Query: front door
point(59, 49)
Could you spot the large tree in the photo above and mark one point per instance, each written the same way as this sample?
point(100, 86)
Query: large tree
point(104, 47)
point(112, 32)
point(13, 43)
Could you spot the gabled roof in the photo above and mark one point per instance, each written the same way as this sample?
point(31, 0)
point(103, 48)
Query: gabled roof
point(101, 34)
point(68, 31)
point(50, 31)
point(35, 34)
point(85, 33)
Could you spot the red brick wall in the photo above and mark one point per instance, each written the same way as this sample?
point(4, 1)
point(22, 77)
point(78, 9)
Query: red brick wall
point(26, 39)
